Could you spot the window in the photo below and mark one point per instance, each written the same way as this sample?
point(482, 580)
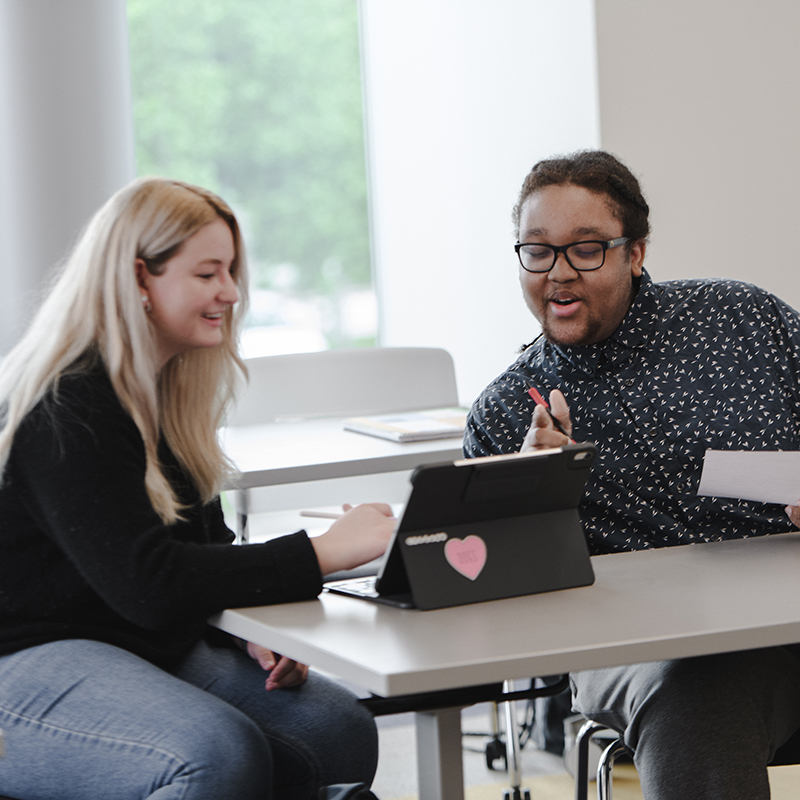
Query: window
point(260, 101)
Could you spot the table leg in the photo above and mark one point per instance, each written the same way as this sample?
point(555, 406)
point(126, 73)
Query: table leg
point(439, 759)
point(241, 501)
point(512, 744)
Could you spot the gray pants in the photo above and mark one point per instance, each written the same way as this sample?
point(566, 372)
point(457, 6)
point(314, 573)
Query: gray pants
point(699, 727)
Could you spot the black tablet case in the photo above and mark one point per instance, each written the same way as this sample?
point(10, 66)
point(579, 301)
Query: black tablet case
point(523, 508)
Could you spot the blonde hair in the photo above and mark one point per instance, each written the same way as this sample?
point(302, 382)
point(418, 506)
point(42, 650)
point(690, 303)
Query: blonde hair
point(94, 310)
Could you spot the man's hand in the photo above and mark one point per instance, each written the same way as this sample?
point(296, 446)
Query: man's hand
point(542, 432)
point(283, 672)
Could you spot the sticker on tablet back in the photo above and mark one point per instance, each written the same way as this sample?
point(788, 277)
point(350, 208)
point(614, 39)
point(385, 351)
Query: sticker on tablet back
point(466, 556)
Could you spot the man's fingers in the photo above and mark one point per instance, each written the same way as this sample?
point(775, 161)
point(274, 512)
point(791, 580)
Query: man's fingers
point(560, 409)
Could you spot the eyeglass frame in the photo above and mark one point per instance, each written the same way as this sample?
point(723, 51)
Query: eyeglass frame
point(609, 244)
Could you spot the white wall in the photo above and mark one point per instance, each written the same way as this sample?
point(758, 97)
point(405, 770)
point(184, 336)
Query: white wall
point(462, 97)
point(702, 100)
point(66, 135)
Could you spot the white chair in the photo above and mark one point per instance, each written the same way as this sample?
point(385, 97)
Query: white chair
point(334, 383)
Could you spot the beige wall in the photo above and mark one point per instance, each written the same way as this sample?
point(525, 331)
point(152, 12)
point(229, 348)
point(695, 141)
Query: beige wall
point(462, 98)
point(701, 98)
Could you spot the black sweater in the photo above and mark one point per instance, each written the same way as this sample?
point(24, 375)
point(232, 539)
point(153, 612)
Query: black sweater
point(83, 555)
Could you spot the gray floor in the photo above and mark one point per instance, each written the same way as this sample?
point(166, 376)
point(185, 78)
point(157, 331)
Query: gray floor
point(397, 772)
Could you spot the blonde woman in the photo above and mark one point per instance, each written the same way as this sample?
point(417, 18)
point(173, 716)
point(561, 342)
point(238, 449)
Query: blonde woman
point(113, 549)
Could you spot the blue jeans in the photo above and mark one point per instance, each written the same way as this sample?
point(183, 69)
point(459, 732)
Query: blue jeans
point(87, 720)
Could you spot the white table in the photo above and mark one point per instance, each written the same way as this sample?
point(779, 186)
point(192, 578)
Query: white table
point(644, 606)
point(314, 450)
point(319, 449)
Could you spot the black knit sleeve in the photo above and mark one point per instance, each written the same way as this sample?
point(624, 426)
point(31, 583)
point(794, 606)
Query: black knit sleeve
point(78, 466)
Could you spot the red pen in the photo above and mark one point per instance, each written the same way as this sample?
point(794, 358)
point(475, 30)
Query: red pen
point(540, 401)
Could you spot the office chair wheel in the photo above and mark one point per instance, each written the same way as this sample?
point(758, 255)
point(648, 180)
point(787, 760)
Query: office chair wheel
point(517, 794)
point(496, 751)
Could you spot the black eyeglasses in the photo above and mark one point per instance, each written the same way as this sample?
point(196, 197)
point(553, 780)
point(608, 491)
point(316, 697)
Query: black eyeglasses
point(582, 256)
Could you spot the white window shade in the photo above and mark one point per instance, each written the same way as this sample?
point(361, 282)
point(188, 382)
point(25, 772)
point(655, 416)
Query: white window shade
point(462, 97)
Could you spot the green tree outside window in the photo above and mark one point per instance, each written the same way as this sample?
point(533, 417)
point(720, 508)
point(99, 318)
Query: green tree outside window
point(260, 101)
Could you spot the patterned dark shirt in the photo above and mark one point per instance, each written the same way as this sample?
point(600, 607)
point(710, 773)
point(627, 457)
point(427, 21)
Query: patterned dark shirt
point(695, 365)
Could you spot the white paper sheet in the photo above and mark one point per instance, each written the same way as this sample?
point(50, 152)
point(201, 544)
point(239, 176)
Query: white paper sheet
point(766, 476)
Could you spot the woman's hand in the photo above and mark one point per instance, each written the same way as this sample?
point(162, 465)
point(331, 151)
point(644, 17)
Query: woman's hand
point(360, 535)
point(793, 512)
point(543, 433)
point(283, 672)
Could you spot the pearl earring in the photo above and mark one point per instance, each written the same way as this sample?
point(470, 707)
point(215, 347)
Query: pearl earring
point(146, 303)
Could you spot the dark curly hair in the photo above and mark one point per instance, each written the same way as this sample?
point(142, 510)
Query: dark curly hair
point(598, 172)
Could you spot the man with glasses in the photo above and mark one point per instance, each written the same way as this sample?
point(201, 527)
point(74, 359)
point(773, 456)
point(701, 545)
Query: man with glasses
point(654, 374)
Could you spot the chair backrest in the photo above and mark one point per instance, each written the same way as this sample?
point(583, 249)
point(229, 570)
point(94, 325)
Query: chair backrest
point(370, 380)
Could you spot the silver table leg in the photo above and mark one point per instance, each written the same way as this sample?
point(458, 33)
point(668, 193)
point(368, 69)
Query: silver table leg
point(512, 749)
point(439, 758)
point(241, 505)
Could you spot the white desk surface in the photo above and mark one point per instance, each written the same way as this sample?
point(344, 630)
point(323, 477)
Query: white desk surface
point(644, 606)
point(316, 449)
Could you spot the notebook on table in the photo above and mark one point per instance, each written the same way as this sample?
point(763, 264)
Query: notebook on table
point(484, 529)
point(412, 426)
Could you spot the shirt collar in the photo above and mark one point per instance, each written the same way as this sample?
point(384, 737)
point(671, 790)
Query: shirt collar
point(633, 333)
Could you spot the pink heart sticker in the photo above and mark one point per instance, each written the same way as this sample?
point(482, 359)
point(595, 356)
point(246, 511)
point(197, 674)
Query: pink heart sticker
point(467, 556)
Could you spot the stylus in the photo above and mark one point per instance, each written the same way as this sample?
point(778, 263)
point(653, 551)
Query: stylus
point(324, 514)
point(540, 401)
point(320, 514)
